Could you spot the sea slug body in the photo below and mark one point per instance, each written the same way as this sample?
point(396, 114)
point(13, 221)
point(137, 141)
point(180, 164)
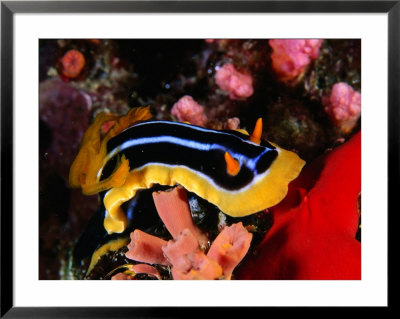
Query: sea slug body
point(240, 174)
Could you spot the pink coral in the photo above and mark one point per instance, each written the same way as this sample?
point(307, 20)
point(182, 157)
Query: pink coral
point(290, 57)
point(146, 248)
point(188, 110)
point(185, 252)
point(238, 85)
point(188, 261)
point(176, 250)
point(201, 268)
point(232, 123)
point(343, 106)
point(230, 247)
point(173, 208)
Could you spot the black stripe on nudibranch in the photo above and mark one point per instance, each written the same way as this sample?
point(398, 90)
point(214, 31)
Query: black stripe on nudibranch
point(238, 173)
point(202, 150)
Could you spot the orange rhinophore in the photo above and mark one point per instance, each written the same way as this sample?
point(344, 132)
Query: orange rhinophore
point(232, 165)
point(255, 137)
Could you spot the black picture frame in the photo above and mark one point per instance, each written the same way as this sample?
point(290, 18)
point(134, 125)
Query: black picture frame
point(9, 8)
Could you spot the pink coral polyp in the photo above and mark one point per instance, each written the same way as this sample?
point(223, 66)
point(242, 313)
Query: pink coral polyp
point(185, 252)
point(188, 110)
point(177, 250)
point(290, 57)
point(230, 247)
point(146, 248)
point(238, 85)
point(343, 106)
point(188, 261)
point(201, 268)
point(173, 208)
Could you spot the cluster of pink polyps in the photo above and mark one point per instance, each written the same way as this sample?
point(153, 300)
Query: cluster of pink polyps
point(188, 253)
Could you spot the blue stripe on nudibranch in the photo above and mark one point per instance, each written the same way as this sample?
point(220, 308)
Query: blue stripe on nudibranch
point(198, 149)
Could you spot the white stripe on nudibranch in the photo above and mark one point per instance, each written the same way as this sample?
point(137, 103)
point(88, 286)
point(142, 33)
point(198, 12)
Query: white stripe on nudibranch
point(192, 127)
point(243, 159)
point(207, 178)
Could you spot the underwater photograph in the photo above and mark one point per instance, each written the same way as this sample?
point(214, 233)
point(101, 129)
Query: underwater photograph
point(199, 159)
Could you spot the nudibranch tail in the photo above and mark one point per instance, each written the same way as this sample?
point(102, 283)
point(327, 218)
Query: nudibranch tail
point(239, 174)
point(90, 159)
point(112, 245)
point(89, 153)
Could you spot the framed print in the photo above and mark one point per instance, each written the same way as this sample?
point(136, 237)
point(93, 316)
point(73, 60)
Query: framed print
point(216, 154)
